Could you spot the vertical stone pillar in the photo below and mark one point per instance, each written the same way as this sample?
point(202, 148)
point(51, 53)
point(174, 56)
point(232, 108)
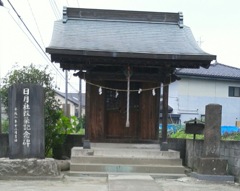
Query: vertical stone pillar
point(26, 121)
point(210, 162)
point(212, 130)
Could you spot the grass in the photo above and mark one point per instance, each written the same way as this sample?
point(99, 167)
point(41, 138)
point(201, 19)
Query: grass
point(182, 135)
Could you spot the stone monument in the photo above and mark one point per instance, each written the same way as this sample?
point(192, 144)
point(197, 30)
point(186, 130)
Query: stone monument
point(26, 125)
point(210, 166)
point(26, 136)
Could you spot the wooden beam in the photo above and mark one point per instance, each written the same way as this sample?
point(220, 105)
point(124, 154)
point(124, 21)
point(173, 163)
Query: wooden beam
point(80, 62)
point(120, 76)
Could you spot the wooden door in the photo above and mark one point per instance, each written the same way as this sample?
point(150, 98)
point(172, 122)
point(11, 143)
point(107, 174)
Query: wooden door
point(116, 111)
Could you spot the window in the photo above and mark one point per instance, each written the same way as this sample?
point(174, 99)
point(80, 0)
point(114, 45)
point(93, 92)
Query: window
point(234, 91)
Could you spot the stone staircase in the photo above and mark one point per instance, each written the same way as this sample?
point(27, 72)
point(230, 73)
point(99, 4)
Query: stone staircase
point(125, 158)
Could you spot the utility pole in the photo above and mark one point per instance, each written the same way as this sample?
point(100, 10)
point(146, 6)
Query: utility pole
point(80, 98)
point(66, 93)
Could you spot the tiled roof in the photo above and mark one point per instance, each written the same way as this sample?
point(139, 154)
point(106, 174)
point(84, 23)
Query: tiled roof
point(73, 97)
point(127, 37)
point(216, 70)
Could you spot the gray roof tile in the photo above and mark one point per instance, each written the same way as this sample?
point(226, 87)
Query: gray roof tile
point(132, 37)
point(215, 70)
point(73, 97)
point(125, 36)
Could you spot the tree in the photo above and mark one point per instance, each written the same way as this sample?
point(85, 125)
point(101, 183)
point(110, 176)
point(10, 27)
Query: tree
point(52, 110)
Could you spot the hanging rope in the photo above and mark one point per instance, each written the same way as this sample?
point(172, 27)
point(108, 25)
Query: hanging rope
point(124, 90)
point(128, 97)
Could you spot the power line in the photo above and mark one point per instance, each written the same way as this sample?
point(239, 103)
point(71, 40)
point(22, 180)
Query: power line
point(35, 40)
point(36, 22)
point(36, 44)
point(55, 10)
point(30, 39)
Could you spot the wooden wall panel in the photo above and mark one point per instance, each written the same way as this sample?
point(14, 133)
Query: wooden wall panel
point(149, 112)
point(95, 112)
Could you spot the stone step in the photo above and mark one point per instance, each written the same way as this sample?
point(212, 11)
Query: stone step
point(125, 145)
point(130, 160)
point(125, 152)
point(125, 158)
point(127, 168)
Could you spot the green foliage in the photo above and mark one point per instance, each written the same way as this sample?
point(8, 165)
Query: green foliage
point(81, 125)
point(33, 75)
point(231, 136)
point(5, 124)
point(64, 125)
point(182, 135)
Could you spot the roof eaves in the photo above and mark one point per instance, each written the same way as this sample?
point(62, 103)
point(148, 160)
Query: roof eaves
point(207, 76)
point(206, 57)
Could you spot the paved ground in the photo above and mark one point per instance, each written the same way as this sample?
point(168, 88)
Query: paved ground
point(117, 183)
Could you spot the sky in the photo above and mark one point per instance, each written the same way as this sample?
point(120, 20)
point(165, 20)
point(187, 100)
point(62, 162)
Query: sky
point(215, 25)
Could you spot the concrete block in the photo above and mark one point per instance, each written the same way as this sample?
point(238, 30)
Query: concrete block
point(237, 152)
point(226, 152)
point(212, 166)
point(28, 167)
point(218, 178)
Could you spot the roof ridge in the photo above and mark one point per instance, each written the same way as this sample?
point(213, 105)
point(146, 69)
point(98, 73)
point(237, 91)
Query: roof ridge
point(223, 71)
point(226, 66)
point(128, 15)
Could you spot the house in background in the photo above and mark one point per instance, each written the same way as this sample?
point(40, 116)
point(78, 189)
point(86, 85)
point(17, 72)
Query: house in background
point(219, 84)
point(73, 102)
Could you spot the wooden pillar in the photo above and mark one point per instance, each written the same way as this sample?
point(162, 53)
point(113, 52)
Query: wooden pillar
point(86, 142)
point(164, 143)
point(87, 110)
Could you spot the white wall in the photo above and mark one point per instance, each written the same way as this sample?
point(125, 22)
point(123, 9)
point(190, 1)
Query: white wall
point(62, 101)
point(189, 97)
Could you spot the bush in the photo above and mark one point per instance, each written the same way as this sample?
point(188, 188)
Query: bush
point(5, 125)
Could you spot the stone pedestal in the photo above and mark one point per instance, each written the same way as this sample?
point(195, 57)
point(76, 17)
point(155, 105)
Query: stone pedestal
point(212, 166)
point(28, 168)
point(86, 144)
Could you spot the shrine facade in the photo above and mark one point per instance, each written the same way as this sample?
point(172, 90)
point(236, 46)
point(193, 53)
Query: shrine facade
point(126, 58)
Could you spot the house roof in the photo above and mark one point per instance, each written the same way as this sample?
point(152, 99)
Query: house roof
point(73, 97)
point(216, 70)
point(84, 33)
